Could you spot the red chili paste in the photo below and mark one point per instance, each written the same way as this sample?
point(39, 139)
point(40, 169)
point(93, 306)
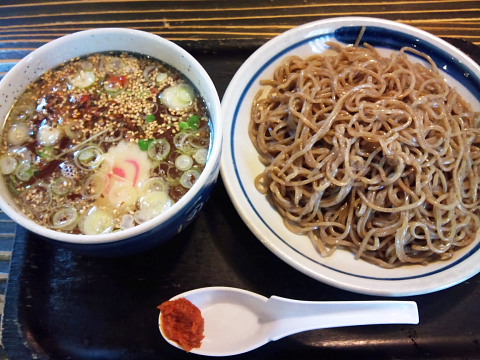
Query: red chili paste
point(182, 322)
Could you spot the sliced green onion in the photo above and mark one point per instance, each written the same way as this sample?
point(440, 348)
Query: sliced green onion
point(86, 65)
point(94, 186)
point(154, 184)
point(114, 65)
point(194, 122)
point(201, 156)
point(154, 203)
point(183, 125)
point(181, 142)
point(150, 118)
point(178, 97)
point(18, 134)
point(98, 221)
point(8, 164)
point(189, 178)
point(22, 153)
point(24, 171)
point(24, 111)
point(65, 218)
point(89, 157)
point(147, 72)
point(61, 186)
point(183, 162)
point(197, 142)
point(72, 129)
point(161, 78)
point(49, 135)
point(143, 144)
point(158, 149)
point(83, 79)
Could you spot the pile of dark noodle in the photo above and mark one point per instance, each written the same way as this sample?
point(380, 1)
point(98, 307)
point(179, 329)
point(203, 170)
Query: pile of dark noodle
point(378, 155)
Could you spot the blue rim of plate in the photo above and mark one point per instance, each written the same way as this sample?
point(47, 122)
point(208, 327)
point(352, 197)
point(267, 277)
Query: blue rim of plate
point(383, 38)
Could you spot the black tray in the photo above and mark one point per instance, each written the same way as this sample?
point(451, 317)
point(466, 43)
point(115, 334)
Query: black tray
point(61, 305)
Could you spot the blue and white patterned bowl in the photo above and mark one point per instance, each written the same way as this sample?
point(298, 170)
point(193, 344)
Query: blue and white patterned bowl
point(167, 224)
point(240, 164)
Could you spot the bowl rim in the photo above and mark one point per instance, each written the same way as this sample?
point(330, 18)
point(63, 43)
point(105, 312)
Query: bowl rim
point(211, 167)
point(241, 81)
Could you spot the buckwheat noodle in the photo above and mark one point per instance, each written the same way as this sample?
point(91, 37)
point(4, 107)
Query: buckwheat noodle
point(378, 155)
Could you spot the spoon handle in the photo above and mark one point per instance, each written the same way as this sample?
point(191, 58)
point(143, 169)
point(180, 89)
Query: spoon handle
point(287, 316)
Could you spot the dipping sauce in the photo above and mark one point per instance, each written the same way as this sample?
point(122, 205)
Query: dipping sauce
point(104, 143)
point(182, 322)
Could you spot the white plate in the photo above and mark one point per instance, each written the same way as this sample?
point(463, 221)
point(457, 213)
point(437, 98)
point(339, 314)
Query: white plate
point(240, 164)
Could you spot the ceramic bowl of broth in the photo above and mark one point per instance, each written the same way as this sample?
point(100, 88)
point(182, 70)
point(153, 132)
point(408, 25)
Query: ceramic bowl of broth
point(111, 141)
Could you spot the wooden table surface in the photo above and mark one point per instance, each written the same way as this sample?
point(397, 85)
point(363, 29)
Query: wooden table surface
point(207, 26)
point(26, 25)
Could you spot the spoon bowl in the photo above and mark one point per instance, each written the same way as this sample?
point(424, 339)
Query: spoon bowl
point(237, 321)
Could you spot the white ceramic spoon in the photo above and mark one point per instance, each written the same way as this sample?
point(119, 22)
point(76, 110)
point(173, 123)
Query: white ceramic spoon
point(237, 321)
